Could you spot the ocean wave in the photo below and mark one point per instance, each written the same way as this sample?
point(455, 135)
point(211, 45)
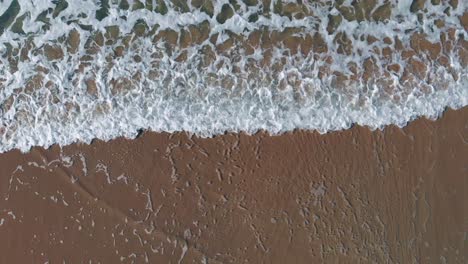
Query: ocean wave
point(74, 72)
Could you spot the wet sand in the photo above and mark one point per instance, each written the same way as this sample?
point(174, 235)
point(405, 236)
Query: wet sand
point(354, 196)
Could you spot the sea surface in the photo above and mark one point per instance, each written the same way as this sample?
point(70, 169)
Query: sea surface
point(78, 70)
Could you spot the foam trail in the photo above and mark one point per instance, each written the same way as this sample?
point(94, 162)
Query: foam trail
point(74, 72)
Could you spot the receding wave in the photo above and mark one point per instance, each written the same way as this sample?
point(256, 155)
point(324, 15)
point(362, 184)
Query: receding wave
point(78, 70)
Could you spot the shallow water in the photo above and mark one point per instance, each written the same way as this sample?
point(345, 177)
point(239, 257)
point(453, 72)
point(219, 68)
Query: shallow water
point(78, 70)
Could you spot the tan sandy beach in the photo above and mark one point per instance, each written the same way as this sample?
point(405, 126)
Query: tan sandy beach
point(353, 196)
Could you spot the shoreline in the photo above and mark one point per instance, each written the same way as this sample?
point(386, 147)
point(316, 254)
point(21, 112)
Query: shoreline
point(140, 132)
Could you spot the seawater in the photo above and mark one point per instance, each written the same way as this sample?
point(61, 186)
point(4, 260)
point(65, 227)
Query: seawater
point(78, 70)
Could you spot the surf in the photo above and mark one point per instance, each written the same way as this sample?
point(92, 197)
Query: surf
point(74, 72)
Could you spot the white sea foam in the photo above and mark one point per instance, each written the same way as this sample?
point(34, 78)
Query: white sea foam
point(182, 96)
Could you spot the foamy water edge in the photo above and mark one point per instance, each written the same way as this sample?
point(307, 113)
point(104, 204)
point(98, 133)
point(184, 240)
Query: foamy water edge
point(181, 98)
